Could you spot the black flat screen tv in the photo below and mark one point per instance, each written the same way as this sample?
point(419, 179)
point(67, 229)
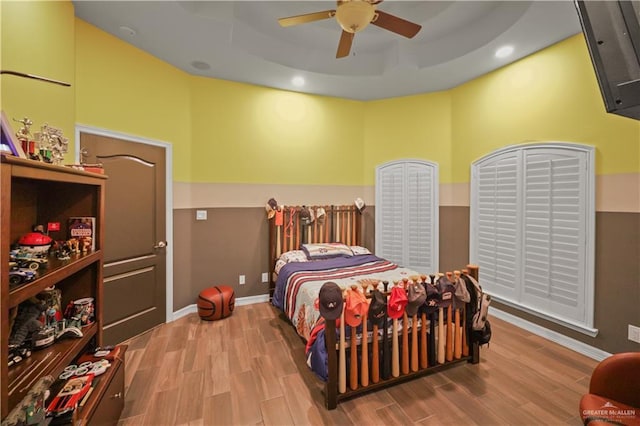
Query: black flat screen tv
point(612, 31)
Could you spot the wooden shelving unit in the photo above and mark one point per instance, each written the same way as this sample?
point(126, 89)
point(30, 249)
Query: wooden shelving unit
point(32, 193)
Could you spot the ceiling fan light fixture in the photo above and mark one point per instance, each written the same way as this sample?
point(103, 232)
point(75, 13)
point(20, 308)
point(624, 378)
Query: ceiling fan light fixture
point(355, 15)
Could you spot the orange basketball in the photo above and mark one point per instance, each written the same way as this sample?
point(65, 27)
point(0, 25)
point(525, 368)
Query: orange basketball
point(215, 303)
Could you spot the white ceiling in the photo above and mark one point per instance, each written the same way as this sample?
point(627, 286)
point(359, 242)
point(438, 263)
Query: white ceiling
point(242, 41)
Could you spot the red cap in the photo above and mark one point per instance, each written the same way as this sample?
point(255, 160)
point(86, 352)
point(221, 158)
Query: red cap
point(397, 302)
point(355, 308)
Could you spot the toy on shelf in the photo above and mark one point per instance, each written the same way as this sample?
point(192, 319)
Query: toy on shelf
point(26, 139)
point(26, 322)
point(27, 259)
point(36, 242)
point(19, 276)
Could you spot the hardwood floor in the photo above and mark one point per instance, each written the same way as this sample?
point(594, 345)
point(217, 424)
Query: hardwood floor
point(249, 369)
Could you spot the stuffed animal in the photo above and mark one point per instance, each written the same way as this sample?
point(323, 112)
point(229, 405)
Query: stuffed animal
point(26, 322)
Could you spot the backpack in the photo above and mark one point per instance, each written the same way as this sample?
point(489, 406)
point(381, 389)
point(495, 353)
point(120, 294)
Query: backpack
point(482, 336)
point(479, 312)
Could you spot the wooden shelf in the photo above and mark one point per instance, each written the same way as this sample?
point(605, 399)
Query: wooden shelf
point(56, 271)
point(47, 361)
point(33, 192)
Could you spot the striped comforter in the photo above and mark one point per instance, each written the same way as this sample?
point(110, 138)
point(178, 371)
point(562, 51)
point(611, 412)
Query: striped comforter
point(298, 284)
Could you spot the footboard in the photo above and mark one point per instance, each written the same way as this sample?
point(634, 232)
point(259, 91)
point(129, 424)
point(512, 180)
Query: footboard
point(417, 346)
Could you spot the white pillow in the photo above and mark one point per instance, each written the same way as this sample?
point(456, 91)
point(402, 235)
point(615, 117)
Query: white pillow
point(326, 250)
point(357, 250)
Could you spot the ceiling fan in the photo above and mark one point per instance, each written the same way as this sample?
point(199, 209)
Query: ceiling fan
point(354, 16)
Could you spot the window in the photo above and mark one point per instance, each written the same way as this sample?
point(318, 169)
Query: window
point(532, 230)
point(407, 214)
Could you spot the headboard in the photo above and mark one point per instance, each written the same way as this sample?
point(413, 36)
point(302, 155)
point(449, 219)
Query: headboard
point(340, 224)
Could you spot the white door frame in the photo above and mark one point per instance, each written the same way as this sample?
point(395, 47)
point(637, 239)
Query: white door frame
point(80, 128)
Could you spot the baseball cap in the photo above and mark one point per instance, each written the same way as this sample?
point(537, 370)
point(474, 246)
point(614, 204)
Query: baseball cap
point(305, 215)
point(320, 215)
point(417, 296)
point(433, 297)
point(462, 293)
point(330, 300)
point(360, 205)
point(271, 207)
point(397, 302)
point(447, 291)
point(355, 308)
point(378, 307)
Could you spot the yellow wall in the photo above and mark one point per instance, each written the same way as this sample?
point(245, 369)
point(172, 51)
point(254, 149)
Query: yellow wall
point(550, 96)
point(251, 134)
point(408, 127)
point(37, 37)
point(228, 132)
point(124, 89)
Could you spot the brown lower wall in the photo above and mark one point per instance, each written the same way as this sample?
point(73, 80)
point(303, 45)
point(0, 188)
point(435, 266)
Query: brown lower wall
point(617, 275)
point(231, 242)
point(234, 241)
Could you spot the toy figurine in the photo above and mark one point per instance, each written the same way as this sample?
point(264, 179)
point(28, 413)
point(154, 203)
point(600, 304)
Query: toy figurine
point(36, 241)
point(26, 322)
point(62, 250)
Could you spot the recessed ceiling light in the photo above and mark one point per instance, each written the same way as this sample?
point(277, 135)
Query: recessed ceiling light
point(128, 31)
point(200, 65)
point(297, 81)
point(504, 51)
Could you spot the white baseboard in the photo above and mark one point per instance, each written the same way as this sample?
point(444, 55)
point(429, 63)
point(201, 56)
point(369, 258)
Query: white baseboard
point(249, 300)
point(561, 339)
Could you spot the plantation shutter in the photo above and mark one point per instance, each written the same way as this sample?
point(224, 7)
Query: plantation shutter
point(497, 230)
point(419, 228)
point(407, 214)
point(389, 208)
point(553, 242)
point(532, 224)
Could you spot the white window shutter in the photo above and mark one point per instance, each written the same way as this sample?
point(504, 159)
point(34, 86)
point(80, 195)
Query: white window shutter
point(497, 224)
point(532, 230)
point(407, 214)
point(553, 242)
point(389, 211)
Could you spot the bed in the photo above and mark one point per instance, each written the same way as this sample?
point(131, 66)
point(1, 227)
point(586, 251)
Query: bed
point(312, 245)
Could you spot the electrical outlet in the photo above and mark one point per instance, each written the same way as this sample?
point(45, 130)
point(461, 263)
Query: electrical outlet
point(265, 277)
point(201, 215)
point(634, 333)
point(241, 280)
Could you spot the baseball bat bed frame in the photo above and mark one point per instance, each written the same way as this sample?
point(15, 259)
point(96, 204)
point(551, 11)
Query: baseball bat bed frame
point(431, 347)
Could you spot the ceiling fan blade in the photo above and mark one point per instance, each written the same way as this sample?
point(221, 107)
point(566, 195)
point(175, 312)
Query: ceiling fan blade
point(397, 25)
point(303, 19)
point(344, 47)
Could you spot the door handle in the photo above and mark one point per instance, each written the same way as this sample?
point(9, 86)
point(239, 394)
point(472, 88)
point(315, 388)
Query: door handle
point(160, 244)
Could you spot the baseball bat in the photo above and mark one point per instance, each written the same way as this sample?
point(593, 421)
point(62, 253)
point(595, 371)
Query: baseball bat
point(405, 343)
point(440, 335)
point(342, 358)
point(385, 341)
point(375, 358)
point(449, 327)
point(465, 338)
point(414, 343)
point(353, 355)
point(405, 333)
point(457, 341)
point(457, 346)
point(424, 358)
point(364, 379)
point(353, 377)
point(423, 329)
point(465, 343)
point(395, 354)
